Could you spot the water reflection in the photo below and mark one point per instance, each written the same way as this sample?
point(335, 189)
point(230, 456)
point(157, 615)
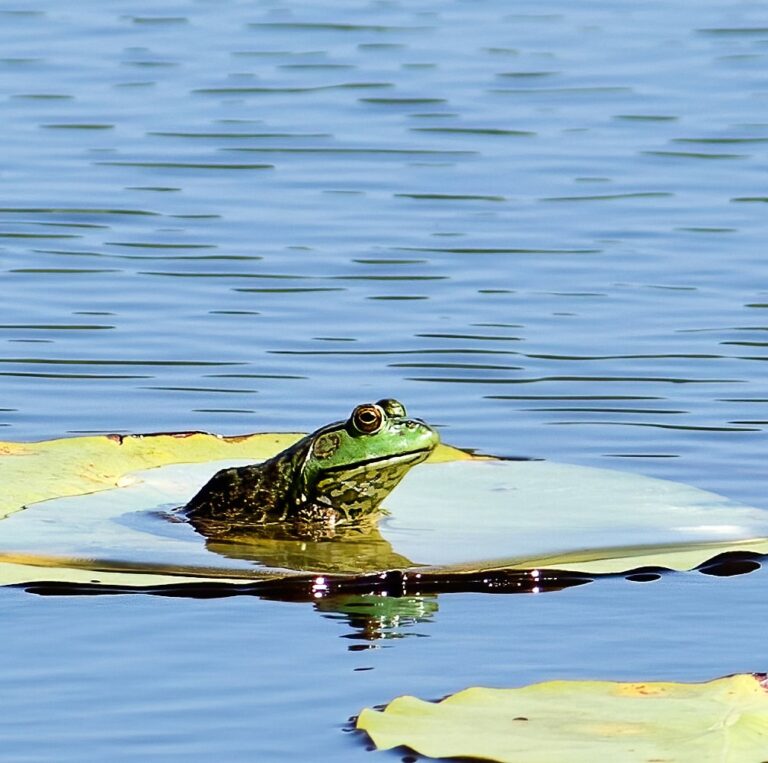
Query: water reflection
point(376, 617)
point(376, 607)
point(351, 550)
point(390, 605)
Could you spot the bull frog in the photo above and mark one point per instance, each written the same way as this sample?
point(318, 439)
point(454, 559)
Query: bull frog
point(339, 474)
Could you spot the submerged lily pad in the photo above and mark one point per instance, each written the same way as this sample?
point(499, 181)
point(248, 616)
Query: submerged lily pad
point(584, 721)
point(105, 504)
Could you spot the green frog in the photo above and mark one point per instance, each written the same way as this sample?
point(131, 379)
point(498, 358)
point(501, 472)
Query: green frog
point(339, 474)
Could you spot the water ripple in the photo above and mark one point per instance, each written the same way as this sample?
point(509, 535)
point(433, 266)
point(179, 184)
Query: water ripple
point(185, 165)
point(543, 229)
point(264, 90)
point(333, 26)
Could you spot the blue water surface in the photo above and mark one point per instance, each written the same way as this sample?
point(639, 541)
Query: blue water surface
point(540, 225)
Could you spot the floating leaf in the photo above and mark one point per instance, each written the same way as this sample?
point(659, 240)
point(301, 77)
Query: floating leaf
point(482, 515)
point(721, 721)
point(77, 491)
point(36, 471)
point(101, 504)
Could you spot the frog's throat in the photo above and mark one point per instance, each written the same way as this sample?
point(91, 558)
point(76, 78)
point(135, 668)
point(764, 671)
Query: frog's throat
point(356, 492)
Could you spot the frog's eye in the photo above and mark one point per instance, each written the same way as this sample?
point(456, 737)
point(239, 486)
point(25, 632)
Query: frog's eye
point(367, 418)
point(393, 408)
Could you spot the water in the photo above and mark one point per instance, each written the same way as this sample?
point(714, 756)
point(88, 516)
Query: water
point(542, 227)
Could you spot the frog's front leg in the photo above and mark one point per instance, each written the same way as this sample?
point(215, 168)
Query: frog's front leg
point(316, 521)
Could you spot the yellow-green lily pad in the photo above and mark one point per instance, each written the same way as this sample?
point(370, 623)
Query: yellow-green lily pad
point(80, 495)
point(36, 471)
point(585, 721)
point(101, 504)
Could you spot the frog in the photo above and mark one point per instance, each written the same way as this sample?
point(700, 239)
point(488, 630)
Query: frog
point(338, 475)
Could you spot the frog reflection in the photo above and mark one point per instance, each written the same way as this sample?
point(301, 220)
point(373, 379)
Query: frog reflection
point(375, 617)
point(353, 550)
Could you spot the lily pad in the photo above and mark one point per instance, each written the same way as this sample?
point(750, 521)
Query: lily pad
point(79, 508)
point(584, 721)
point(92, 505)
point(35, 471)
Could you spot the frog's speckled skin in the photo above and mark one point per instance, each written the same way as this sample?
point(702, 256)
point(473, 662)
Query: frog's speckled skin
point(339, 474)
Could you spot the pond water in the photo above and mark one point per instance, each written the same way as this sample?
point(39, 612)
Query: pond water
point(541, 227)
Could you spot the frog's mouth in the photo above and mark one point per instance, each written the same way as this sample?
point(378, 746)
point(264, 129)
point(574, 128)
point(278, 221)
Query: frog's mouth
point(411, 457)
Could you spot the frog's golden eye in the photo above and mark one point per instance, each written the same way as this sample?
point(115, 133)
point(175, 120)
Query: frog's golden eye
point(367, 418)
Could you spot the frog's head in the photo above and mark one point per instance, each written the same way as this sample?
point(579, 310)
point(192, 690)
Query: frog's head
point(352, 465)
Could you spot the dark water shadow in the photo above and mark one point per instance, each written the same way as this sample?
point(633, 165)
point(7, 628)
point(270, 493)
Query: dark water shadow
point(387, 605)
